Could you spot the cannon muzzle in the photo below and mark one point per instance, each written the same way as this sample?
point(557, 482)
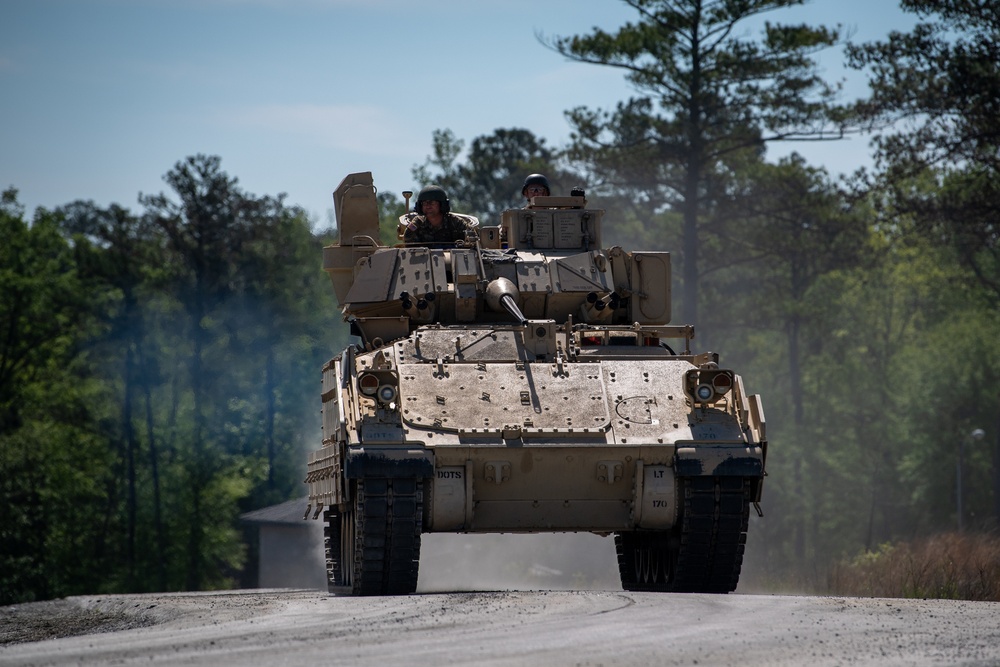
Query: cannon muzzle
point(502, 294)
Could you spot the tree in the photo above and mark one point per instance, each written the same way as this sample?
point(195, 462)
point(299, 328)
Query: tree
point(797, 229)
point(42, 300)
point(936, 101)
point(708, 100)
point(936, 98)
point(53, 467)
point(118, 253)
point(158, 375)
point(206, 230)
point(257, 319)
point(936, 88)
point(286, 321)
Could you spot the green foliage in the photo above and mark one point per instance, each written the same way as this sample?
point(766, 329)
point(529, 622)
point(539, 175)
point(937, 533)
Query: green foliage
point(160, 380)
point(936, 87)
point(709, 101)
point(390, 208)
point(42, 300)
point(935, 101)
point(53, 470)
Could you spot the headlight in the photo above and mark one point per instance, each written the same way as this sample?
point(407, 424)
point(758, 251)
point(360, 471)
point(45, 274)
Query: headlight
point(368, 384)
point(708, 385)
point(387, 393)
point(704, 393)
point(722, 382)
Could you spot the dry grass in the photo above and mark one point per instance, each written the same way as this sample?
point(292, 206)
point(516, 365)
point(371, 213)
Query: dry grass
point(957, 566)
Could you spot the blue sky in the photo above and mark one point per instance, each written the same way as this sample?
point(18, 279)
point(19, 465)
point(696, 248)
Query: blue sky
point(100, 98)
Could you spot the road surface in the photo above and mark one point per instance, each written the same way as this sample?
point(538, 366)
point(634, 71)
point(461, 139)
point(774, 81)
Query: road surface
point(572, 628)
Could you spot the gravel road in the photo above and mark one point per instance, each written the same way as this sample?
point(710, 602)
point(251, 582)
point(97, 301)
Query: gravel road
point(578, 628)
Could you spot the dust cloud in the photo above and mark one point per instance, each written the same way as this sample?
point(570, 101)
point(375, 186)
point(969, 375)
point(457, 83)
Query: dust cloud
point(465, 562)
point(544, 561)
point(293, 557)
point(510, 561)
point(460, 562)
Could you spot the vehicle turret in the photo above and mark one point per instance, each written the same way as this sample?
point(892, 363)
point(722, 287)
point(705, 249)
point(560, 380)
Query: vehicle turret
point(549, 253)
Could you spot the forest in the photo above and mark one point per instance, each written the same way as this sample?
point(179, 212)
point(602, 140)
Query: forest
point(160, 367)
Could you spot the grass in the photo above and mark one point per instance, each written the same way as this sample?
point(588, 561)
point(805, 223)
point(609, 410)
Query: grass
point(955, 566)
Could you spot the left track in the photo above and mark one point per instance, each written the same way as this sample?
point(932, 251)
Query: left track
point(373, 545)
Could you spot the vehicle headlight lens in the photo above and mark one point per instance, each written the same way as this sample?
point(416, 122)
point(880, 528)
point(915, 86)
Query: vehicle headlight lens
point(704, 392)
point(722, 382)
point(368, 383)
point(387, 393)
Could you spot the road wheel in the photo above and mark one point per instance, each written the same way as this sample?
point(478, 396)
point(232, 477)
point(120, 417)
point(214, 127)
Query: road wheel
point(646, 560)
point(338, 544)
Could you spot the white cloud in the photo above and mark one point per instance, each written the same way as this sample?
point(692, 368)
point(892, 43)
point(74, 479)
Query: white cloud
point(357, 128)
point(310, 4)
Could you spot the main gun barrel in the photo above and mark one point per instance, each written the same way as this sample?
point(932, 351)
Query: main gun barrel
point(502, 294)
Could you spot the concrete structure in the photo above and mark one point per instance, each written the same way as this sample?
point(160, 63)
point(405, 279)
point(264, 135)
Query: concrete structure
point(291, 549)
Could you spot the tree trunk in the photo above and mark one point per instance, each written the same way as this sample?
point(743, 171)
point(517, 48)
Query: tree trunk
point(154, 468)
point(130, 448)
point(996, 471)
point(200, 463)
point(271, 408)
point(798, 411)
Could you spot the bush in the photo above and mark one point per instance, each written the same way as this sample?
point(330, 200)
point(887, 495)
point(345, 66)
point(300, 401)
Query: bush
point(957, 566)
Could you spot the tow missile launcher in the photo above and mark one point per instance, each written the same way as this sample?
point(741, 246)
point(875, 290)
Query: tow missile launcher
point(525, 379)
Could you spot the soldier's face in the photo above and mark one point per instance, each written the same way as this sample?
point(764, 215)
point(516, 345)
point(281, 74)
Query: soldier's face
point(535, 191)
point(431, 207)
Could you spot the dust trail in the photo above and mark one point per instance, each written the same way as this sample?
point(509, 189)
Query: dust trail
point(293, 557)
point(561, 561)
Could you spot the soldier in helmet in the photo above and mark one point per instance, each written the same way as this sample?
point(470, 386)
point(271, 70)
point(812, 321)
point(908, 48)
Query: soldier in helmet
point(434, 222)
point(535, 185)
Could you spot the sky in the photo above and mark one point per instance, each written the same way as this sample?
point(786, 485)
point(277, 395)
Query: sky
point(100, 98)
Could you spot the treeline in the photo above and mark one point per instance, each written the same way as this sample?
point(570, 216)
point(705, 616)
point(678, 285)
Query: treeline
point(158, 375)
point(159, 369)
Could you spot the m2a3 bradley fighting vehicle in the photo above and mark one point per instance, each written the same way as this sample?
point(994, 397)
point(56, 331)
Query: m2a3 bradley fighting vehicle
point(525, 380)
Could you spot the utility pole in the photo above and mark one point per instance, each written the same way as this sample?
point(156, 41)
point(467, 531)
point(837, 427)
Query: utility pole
point(976, 435)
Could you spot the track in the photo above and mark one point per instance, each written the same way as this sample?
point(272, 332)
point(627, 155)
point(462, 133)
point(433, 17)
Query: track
point(373, 548)
point(704, 555)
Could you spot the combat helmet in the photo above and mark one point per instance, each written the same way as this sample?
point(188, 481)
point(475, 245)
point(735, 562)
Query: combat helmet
point(432, 193)
point(535, 179)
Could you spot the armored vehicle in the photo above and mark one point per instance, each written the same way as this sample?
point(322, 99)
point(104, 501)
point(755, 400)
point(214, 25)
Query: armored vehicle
point(525, 379)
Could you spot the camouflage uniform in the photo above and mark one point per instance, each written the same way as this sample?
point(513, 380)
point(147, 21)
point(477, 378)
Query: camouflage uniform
point(419, 230)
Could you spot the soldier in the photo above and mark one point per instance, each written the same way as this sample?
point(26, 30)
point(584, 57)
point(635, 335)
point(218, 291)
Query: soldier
point(535, 185)
point(434, 222)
